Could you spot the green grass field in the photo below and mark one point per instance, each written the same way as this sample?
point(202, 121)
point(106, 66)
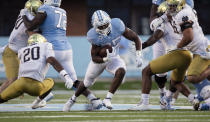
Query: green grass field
point(125, 95)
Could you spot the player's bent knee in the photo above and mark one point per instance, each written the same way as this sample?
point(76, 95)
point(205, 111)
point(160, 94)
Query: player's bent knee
point(147, 71)
point(120, 72)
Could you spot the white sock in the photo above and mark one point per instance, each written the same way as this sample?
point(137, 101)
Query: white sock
point(145, 99)
point(73, 98)
point(91, 96)
point(162, 90)
point(109, 95)
point(48, 97)
point(169, 94)
point(190, 98)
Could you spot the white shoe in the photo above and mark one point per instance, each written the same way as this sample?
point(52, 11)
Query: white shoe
point(107, 103)
point(35, 104)
point(42, 104)
point(96, 103)
point(163, 102)
point(140, 107)
point(67, 106)
point(196, 104)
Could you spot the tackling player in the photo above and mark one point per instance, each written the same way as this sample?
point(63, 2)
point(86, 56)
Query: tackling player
point(186, 22)
point(106, 31)
point(18, 39)
point(178, 61)
point(52, 20)
point(158, 48)
point(34, 64)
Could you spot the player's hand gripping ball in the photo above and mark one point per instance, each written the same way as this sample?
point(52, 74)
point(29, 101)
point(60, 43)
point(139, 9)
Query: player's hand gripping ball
point(103, 53)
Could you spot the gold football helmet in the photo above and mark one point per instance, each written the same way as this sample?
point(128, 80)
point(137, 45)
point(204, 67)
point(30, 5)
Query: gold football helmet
point(33, 5)
point(36, 39)
point(175, 6)
point(162, 8)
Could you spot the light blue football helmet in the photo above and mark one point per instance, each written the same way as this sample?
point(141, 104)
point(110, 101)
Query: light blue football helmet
point(101, 18)
point(55, 3)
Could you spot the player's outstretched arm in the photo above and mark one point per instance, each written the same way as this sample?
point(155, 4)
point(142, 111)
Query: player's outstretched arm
point(153, 39)
point(131, 35)
point(64, 75)
point(95, 54)
point(36, 22)
point(56, 65)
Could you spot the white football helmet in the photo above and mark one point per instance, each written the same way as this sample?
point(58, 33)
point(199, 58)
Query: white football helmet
point(205, 92)
point(101, 21)
point(55, 3)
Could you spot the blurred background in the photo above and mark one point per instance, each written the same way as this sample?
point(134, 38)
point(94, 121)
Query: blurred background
point(134, 13)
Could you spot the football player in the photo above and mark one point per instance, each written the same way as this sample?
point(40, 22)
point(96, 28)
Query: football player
point(18, 39)
point(106, 31)
point(178, 61)
point(52, 20)
point(158, 49)
point(186, 21)
point(34, 64)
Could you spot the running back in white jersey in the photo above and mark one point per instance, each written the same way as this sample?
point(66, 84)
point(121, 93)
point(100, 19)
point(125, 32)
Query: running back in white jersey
point(33, 60)
point(199, 43)
point(18, 38)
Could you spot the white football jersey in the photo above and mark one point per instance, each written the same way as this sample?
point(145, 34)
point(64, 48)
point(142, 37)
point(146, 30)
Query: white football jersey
point(171, 36)
point(33, 60)
point(199, 43)
point(19, 38)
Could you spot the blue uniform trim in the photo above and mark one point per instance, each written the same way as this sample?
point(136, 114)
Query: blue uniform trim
point(99, 16)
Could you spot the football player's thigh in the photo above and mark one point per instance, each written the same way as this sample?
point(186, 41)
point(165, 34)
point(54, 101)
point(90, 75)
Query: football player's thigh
point(198, 65)
point(11, 63)
point(93, 71)
point(170, 61)
point(48, 84)
point(14, 90)
point(115, 64)
point(158, 50)
point(32, 86)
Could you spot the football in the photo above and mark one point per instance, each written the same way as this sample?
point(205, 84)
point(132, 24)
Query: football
point(103, 49)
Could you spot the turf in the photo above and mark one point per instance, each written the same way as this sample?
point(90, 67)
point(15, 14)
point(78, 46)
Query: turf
point(122, 96)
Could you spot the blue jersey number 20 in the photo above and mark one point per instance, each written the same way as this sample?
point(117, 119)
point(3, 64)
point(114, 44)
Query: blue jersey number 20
point(62, 20)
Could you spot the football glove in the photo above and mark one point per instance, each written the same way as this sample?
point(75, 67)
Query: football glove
point(138, 58)
point(67, 79)
point(109, 55)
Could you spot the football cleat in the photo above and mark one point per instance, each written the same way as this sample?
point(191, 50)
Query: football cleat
point(163, 102)
point(167, 104)
point(140, 107)
point(36, 102)
point(205, 107)
point(196, 104)
point(42, 104)
point(67, 106)
point(96, 103)
point(107, 103)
